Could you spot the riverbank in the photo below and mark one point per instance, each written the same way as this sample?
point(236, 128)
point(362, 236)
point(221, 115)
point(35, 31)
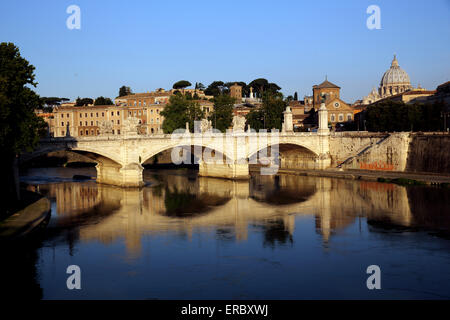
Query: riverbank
point(27, 218)
point(368, 175)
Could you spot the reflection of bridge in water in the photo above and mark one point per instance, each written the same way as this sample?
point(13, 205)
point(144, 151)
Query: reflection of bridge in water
point(181, 204)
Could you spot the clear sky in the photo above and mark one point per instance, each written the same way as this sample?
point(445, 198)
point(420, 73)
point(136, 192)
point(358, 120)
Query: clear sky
point(151, 44)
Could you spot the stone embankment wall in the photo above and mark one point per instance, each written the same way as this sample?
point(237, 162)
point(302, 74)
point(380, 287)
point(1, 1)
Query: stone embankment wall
point(346, 145)
point(404, 151)
point(429, 152)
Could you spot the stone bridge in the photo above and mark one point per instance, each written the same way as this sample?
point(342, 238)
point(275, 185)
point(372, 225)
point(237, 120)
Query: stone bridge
point(225, 155)
point(120, 158)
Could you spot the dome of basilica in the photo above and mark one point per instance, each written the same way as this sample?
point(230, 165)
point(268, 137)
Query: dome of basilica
point(395, 75)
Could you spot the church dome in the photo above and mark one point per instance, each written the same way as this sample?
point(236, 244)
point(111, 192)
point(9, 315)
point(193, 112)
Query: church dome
point(395, 75)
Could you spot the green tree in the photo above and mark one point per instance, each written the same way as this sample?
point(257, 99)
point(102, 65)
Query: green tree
point(83, 102)
point(295, 96)
point(223, 112)
point(178, 111)
point(125, 91)
point(215, 88)
point(397, 116)
point(102, 101)
point(182, 84)
point(270, 115)
point(20, 128)
point(200, 86)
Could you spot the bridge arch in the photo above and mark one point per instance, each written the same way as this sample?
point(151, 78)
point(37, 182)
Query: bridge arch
point(96, 155)
point(290, 155)
point(205, 147)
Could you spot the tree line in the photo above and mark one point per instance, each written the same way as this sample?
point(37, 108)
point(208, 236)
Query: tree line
point(398, 116)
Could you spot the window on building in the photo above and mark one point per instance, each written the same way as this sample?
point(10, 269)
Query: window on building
point(85, 115)
point(118, 113)
point(157, 111)
point(157, 120)
point(118, 121)
point(81, 132)
point(153, 130)
point(92, 123)
point(118, 131)
point(151, 111)
point(87, 132)
point(103, 114)
point(62, 132)
point(349, 117)
point(96, 114)
point(81, 123)
point(151, 121)
point(112, 113)
point(81, 115)
point(62, 115)
point(113, 131)
point(92, 114)
point(140, 112)
point(112, 121)
point(333, 118)
point(68, 115)
point(92, 132)
point(341, 117)
point(62, 124)
point(130, 113)
point(98, 132)
point(85, 123)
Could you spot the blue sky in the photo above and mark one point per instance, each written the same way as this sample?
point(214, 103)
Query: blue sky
point(152, 44)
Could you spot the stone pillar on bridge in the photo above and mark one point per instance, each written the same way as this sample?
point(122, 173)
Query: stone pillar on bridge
point(233, 170)
point(125, 176)
point(324, 159)
point(288, 125)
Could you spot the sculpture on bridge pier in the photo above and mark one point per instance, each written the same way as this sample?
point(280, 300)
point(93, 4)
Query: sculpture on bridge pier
point(131, 126)
point(238, 123)
point(105, 127)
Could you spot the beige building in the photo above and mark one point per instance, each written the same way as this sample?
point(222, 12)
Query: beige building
point(338, 110)
point(88, 121)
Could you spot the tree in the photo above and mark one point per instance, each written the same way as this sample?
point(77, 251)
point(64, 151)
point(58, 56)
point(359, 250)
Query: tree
point(397, 116)
point(52, 101)
point(182, 84)
point(200, 86)
point(102, 101)
point(223, 112)
point(83, 102)
point(125, 91)
point(261, 85)
point(20, 128)
point(215, 88)
point(295, 96)
point(179, 111)
point(270, 115)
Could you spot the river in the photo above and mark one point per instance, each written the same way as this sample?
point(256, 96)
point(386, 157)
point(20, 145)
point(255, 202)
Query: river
point(273, 237)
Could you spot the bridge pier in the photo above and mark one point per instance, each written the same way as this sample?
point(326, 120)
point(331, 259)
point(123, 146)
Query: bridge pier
point(125, 176)
point(235, 171)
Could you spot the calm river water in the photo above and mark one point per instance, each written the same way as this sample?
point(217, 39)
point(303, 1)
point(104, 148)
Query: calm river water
point(273, 237)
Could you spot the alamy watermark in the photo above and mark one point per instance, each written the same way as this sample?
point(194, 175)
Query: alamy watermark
point(74, 280)
point(374, 280)
point(374, 20)
point(74, 20)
